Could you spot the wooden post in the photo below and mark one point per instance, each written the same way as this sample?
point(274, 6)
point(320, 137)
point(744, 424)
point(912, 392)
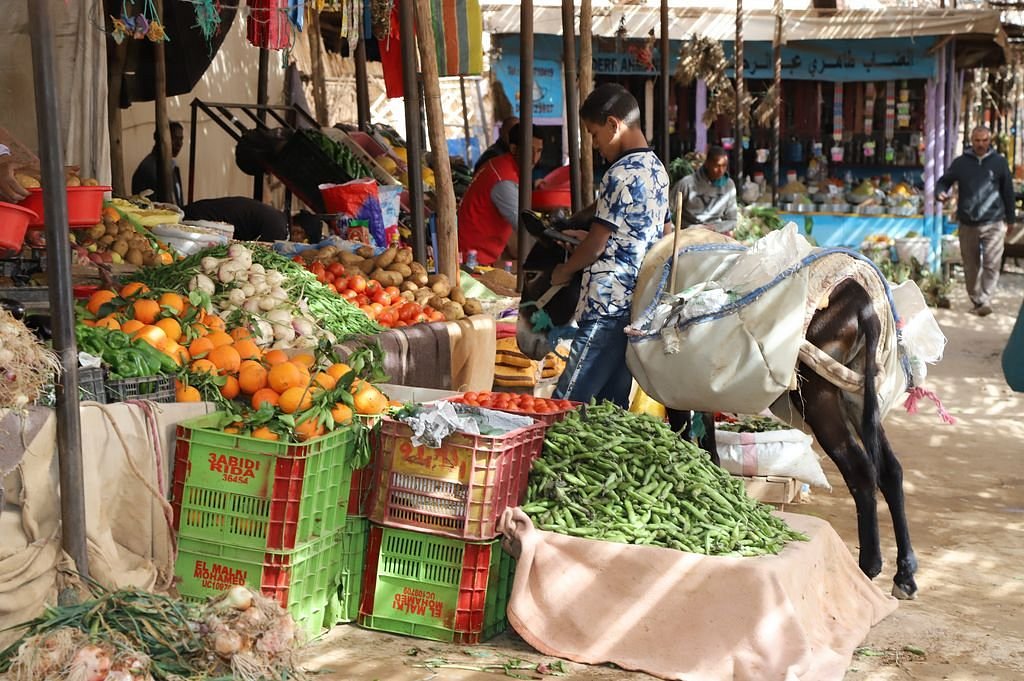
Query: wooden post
point(115, 79)
point(586, 85)
point(165, 172)
point(262, 98)
point(777, 119)
point(663, 87)
point(465, 121)
point(525, 140)
point(362, 87)
point(572, 102)
point(447, 237)
point(319, 77)
point(740, 95)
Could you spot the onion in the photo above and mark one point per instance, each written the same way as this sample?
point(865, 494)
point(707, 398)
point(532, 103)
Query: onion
point(249, 290)
point(279, 293)
point(227, 643)
point(263, 331)
point(283, 332)
point(209, 264)
point(91, 663)
point(267, 303)
point(252, 305)
point(236, 251)
point(256, 269)
point(275, 278)
point(239, 598)
point(237, 297)
point(202, 283)
point(303, 327)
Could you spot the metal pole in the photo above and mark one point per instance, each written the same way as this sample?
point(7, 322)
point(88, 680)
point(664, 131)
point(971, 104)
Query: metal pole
point(663, 86)
point(362, 87)
point(192, 151)
point(465, 120)
point(165, 168)
point(51, 153)
point(261, 100)
point(740, 94)
point(413, 129)
point(572, 103)
point(525, 141)
point(777, 120)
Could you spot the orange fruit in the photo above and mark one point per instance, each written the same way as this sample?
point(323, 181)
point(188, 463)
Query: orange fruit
point(89, 322)
point(186, 393)
point(324, 380)
point(166, 258)
point(200, 366)
point(230, 388)
point(357, 385)
point(108, 322)
point(265, 433)
point(295, 399)
point(304, 359)
point(171, 327)
point(176, 302)
point(219, 338)
point(369, 400)
point(110, 213)
point(175, 352)
point(307, 430)
point(247, 349)
point(145, 310)
point(133, 288)
point(214, 322)
point(153, 335)
point(287, 375)
point(131, 326)
point(200, 347)
point(273, 357)
point(265, 395)
point(98, 300)
point(342, 414)
point(232, 430)
point(241, 333)
point(199, 330)
point(337, 370)
point(252, 376)
point(226, 359)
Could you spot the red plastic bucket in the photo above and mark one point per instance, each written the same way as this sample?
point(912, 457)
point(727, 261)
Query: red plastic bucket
point(85, 205)
point(14, 222)
point(551, 199)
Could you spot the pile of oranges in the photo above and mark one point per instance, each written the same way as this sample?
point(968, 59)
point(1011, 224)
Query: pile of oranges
point(213, 359)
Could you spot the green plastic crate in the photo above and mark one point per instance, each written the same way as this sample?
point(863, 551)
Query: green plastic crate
point(435, 588)
point(256, 493)
point(343, 605)
point(303, 581)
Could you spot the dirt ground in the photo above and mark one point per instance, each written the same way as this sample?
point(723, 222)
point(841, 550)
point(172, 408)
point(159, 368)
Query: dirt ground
point(965, 501)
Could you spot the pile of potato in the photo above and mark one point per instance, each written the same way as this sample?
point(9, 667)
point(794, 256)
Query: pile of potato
point(116, 241)
point(396, 267)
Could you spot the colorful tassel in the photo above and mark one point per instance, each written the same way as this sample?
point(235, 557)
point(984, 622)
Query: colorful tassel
point(917, 394)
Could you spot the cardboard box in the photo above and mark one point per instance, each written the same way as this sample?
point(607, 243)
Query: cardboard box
point(771, 489)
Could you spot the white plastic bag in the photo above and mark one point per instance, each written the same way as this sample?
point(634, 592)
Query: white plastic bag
point(922, 338)
point(778, 452)
point(770, 255)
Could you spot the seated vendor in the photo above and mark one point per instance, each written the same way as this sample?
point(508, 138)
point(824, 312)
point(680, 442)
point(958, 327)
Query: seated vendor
point(489, 212)
point(253, 220)
point(709, 194)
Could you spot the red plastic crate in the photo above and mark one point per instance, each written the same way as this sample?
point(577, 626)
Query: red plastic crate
point(362, 478)
point(435, 588)
point(459, 490)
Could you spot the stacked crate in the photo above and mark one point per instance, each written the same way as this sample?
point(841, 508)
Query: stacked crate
point(270, 515)
point(434, 565)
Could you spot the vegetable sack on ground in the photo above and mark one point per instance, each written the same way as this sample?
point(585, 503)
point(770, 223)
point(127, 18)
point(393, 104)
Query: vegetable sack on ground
point(608, 474)
point(26, 366)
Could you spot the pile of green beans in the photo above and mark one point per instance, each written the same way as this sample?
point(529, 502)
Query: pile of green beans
point(606, 473)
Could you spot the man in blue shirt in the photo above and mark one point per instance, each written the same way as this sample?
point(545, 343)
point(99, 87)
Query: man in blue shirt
point(629, 217)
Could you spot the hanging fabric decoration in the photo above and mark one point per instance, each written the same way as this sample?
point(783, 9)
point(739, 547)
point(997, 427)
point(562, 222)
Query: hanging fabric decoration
point(297, 13)
point(391, 57)
point(207, 18)
point(269, 25)
point(143, 26)
point(381, 11)
point(351, 21)
point(458, 35)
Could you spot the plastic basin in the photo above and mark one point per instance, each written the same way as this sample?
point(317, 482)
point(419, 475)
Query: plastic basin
point(85, 205)
point(14, 222)
point(551, 199)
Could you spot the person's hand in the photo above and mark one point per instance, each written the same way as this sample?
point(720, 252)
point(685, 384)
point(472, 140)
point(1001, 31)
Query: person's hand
point(10, 189)
point(942, 196)
point(560, 276)
point(580, 234)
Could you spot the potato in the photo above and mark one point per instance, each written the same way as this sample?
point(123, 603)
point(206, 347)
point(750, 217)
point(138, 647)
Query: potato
point(75, 181)
point(366, 266)
point(404, 256)
point(408, 295)
point(453, 311)
point(387, 257)
point(418, 278)
point(472, 306)
point(387, 278)
point(120, 247)
point(408, 286)
point(401, 269)
point(441, 288)
point(437, 302)
point(417, 267)
point(328, 252)
point(93, 182)
point(365, 251)
point(134, 257)
point(457, 296)
point(422, 295)
point(27, 181)
point(96, 231)
point(350, 259)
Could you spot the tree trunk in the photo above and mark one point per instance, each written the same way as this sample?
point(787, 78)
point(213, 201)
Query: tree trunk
point(586, 85)
point(164, 169)
point(319, 78)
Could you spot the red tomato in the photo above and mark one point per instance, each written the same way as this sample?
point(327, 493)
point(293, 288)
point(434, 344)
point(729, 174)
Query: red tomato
point(299, 259)
point(393, 292)
point(362, 299)
point(337, 269)
point(377, 308)
point(564, 404)
point(382, 298)
point(341, 283)
point(333, 287)
point(349, 294)
point(420, 318)
point(387, 318)
point(436, 316)
point(357, 283)
point(409, 311)
point(469, 396)
point(372, 286)
point(329, 277)
point(399, 324)
point(369, 311)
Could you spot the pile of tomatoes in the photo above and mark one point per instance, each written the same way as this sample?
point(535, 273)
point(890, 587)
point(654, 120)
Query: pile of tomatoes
point(384, 304)
point(526, 404)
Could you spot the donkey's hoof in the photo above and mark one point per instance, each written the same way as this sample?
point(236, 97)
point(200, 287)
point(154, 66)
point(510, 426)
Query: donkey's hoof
point(904, 594)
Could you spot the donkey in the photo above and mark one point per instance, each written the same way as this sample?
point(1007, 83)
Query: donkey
point(855, 442)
